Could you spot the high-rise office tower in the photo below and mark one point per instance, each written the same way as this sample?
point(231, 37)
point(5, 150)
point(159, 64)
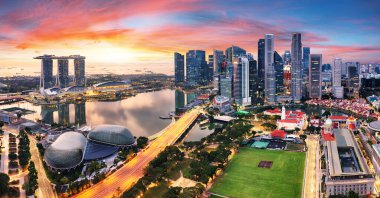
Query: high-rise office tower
point(279, 71)
point(296, 67)
point(270, 83)
point(261, 67)
point(315, 76)
point(353, 81)
point(210, 68)
point(180, 100)
point(253, 93)
point(218, 60)
point(46, 79)
point(337, 78)
point(305, 71)
point(337, 72)
point(287, 58)
point(195, 66)
point(241, 80)
point(287, 79)
point(179, 68)
point(225, 86)
point(234, 51)
point(79, 71)
point(63, 73)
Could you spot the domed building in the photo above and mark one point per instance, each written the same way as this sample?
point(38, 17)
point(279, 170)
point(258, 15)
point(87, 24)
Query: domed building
point(66, 152)
point(72, 148)
point(112, 134)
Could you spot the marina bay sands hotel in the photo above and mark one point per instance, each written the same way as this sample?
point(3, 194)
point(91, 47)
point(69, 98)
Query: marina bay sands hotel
point(62, 78)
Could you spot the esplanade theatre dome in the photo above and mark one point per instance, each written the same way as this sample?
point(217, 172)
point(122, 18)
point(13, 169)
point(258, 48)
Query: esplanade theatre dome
point(112, 135)
point(67, 151)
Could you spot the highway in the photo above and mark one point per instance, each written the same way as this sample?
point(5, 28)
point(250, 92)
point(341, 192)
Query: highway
point(129, 174)
point(311, 188)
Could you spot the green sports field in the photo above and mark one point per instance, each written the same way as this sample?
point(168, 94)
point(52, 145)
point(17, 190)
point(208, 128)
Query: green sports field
point(243, 178)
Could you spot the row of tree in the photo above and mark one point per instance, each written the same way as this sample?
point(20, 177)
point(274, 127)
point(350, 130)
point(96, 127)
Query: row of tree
point(23, 149)
point(32, 184)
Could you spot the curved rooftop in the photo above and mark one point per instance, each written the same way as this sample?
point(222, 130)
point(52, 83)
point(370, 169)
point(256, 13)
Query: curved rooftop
point(112, 135)
point(67, 151)
point(75, 88)
point(111, 83)
point(375, 125)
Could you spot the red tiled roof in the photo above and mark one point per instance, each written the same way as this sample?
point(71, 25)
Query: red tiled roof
point(337, 117)
point(278, 133)
point(203, 97)
point(288, 121)
point(274, 111)
point(327, 136)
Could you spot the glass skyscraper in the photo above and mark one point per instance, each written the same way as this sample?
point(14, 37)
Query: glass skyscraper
point(241, 81)
point(270, 83)
point(315, 76)
point(195, 67)
point(296, 67)
point(46, 79)
point(234, 51)
point(179, 68)
point(279, 70)
point(305, 71)
point(63, 73)
point(79, 71)
point(261, 67)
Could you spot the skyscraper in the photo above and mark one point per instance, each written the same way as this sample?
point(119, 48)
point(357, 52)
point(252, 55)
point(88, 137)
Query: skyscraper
point(279, 71)
point(305, 71)
point(79, 71)
point(253, 93)
point(210, 68)
point(337, 78)
point(353, 81)
point(46, 79)
point(296, 67)
point(218, 60)
point(234, 51)
point(287, 58)
point(63, 73)
point(195, 67)
point(225, 86)
point(179, 68)
point(337, 72)
point(315, 76)
point(241, 80)
point(270, 83)
point(261, 68)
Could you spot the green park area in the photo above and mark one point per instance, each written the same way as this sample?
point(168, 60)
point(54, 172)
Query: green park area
point(244, 178)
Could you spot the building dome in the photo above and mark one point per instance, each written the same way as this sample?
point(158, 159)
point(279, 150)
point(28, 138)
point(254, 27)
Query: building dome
point(328, 122)
point(111, 134)
point(66, 152)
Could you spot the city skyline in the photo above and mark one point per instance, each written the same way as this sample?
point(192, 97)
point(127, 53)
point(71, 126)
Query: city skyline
point(148, 34)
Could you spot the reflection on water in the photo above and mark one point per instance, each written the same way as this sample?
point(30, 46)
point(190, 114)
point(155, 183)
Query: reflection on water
point(140, 113)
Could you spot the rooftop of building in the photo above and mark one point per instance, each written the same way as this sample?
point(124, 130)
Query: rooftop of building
point(344, 155)
point(375, 125)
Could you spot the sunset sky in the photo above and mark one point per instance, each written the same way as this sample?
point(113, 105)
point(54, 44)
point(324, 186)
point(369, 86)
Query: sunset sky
point(147, 33)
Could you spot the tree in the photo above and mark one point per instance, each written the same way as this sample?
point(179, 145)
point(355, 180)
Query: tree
point(303, 137)
point(297, 129)
point(173, 192)
point(142, 142)
point(4, 183)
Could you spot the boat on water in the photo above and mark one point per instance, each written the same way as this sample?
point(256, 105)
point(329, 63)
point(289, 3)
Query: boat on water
point(165, 117)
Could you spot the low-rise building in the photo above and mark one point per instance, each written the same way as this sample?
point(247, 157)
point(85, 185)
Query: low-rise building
point(346, 168)
point(222, 103)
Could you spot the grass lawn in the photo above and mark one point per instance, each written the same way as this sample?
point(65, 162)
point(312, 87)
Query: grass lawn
point(243, 178)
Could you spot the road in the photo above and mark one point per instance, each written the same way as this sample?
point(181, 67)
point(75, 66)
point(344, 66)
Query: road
point(311, 188)
point(129, 174)
point(45, 188)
